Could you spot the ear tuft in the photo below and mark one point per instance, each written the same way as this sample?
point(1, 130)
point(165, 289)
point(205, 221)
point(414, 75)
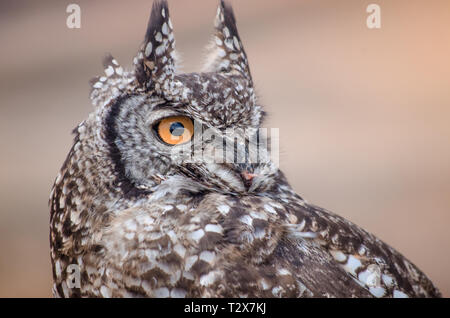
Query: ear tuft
point(227, 52)
point(112, 70)
point(112, 67)
point(155, 62)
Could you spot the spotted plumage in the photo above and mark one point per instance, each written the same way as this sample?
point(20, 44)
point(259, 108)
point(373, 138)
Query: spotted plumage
point(139, 219)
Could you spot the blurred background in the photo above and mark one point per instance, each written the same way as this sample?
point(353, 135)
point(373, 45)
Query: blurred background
point(364, 114)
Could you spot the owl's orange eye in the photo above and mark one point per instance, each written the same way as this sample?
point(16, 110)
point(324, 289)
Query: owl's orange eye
point(175, 130)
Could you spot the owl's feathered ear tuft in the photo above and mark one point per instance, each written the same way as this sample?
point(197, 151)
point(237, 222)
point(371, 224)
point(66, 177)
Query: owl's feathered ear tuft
point(112, 70)
point(155, 62)
point(108, 86)
point(227, 53)
point(112, 67)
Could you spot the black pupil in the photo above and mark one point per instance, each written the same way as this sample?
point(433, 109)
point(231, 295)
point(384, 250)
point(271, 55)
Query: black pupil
point(176, 129)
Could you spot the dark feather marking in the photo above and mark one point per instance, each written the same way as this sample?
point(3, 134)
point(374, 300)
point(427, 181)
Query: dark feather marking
point(128, 189)
point(156, 19)
point(229, 18)
point(315, 269)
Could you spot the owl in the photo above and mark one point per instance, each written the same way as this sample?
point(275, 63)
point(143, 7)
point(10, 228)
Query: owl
point(170, 190)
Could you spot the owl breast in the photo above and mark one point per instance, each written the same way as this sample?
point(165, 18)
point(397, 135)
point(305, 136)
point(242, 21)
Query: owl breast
point(191, 244)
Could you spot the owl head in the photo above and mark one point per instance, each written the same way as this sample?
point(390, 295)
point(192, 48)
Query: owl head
point(196, 131)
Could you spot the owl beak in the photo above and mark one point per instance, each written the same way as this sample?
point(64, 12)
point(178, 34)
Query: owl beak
point(247, 178)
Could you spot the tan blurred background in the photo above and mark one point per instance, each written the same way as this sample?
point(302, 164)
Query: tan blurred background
point(363, 114)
